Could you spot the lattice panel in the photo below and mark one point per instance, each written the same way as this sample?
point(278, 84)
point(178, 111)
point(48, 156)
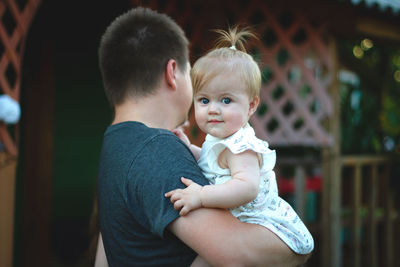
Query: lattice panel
point(15, 18)
point(297, 71)
point(296, 64)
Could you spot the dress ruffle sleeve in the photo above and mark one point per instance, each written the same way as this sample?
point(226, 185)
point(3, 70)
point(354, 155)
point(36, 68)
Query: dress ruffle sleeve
point(243, 140)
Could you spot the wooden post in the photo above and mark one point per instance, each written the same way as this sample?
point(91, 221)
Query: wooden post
point(12, 42)
point(325, 218)
point(332, 169)
point(356, 227)
point(372, 248)
point(300, 190)
point(37, 166)
point(7, 192)
point(388, 207)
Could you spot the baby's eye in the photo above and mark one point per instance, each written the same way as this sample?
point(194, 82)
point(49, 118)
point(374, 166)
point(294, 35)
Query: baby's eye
point(226, 100)
point(204, 100)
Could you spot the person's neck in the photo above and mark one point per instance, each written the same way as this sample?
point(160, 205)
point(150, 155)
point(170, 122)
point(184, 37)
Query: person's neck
point(146, 110)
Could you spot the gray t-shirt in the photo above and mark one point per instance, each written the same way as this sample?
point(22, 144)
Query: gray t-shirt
point(137, 166)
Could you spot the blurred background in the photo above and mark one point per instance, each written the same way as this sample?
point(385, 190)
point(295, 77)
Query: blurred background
point(330, 107)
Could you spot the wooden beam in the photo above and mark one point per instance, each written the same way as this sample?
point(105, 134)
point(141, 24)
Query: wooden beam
point(37, 168)
point(363, 159)
point(325, 259)
point(336, 166)
point(388, 207)
point(7, 190)
point(6, 139)
point(356, 221)
point(300, 190)
point(372, 221)
point(378, 29)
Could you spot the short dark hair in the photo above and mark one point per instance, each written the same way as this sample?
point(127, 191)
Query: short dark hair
point(134, 52)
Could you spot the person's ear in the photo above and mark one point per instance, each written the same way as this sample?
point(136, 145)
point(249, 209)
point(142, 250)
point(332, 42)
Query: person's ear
point(253, 105)
point(170, 71)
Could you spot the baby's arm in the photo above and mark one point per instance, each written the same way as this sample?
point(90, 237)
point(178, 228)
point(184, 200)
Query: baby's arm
point(181, 135)
point(241, 189)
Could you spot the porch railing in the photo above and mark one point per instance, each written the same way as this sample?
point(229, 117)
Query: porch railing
point(367, 211)
point(366, 205)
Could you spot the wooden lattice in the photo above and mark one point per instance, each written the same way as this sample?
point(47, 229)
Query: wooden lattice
point(293, 55)
point(297, 70)
point(15, 18)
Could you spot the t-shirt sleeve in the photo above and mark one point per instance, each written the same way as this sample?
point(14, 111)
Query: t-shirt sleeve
point(156, 170)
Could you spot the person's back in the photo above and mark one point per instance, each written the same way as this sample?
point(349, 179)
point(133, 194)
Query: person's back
point(138, 163)
point(130, 172)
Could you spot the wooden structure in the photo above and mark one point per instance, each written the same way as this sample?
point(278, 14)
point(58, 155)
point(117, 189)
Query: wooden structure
point(15, 19)
point(14, 25)
point(372, 211)
point(299, 106)
point(7, 189)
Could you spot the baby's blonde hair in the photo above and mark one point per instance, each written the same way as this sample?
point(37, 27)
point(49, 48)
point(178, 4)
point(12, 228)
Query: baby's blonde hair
point(229, 57)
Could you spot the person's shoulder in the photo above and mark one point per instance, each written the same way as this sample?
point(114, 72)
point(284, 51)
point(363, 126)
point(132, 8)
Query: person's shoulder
point(164, 138)
point(143, 138)
point(161, 140)
point(137, 130)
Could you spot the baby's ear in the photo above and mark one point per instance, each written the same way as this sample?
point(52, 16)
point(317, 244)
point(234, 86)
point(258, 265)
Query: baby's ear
point(253, 105)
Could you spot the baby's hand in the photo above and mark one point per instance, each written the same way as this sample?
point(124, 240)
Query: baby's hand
point(181, 135)
point(186, 199)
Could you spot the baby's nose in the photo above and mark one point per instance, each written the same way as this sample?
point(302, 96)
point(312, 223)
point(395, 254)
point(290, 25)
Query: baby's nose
point(213, 108)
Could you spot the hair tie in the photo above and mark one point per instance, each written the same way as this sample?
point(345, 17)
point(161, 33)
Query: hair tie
point(233, 47)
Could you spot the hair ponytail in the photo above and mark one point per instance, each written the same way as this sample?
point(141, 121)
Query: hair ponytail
point(234, 38)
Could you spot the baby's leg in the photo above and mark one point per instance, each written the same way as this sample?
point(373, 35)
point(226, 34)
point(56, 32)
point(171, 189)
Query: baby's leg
point(199, 262)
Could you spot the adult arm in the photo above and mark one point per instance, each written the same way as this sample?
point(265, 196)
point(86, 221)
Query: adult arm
point(222, 240)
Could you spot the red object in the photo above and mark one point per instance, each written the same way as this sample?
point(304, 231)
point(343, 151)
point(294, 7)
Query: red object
point(286, 185)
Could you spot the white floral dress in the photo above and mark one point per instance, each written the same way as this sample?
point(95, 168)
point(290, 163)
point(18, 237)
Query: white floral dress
point(267, 209)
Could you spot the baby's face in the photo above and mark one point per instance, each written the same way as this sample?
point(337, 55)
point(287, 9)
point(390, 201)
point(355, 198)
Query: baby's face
point(223, 106)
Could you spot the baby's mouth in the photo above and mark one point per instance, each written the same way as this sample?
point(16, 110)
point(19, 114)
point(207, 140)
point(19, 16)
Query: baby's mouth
point(214, 121)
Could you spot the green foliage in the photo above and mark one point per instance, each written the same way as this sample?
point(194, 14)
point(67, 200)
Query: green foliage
point(390, 113)
point(359, 121)
point(390, 116)
point(370, 108)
